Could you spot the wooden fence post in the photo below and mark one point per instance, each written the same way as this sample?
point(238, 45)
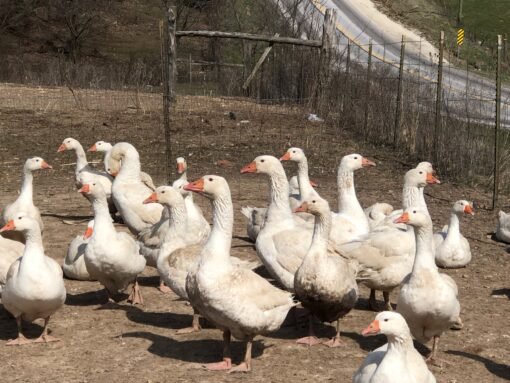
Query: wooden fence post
point(497, 124)
point(326, 54)
point(439, 95)
point(398, 110)
point(367, 91)
point(169, 56)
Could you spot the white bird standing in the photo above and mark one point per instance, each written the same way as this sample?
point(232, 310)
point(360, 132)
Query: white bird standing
point(34, 287)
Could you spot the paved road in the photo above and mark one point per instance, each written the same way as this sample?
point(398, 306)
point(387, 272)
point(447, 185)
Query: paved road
point(359, 26)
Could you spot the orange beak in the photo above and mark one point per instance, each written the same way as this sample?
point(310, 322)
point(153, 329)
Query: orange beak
point(250, 168)
point(431, 179)
point(372, 329)
point(468, 209)
point(195, 186)
point(314, 184)
point(302, 209)
point(61, 148)
point(88, 233)
point(10, 226)
point(404, 218)
point(93, 148)
point(84, 189)
point(45, 165)
point(153, 198)
point(285, 157)
point(180, 168)
point(365, 162)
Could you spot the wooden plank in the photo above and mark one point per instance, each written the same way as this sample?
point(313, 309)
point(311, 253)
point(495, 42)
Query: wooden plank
point(250, 36)
point(258, 64)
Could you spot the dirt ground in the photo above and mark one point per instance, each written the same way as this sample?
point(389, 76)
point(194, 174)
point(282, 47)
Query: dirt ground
point(123, 343)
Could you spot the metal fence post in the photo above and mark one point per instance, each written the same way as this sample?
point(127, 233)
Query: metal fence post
point(398, 110)
point(497, 124)
point(439, 95)
point(367, 90)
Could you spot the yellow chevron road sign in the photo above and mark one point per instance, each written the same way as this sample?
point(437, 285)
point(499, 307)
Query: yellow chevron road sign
point(460, 36)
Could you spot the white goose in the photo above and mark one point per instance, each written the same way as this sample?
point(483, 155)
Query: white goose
point(377, 213)
point(282, 243)
point(74, 263)
point(350, 223)
point(427, 300)
point(236, 300)
point(451, 247)
point(397, 361)
point(10, 251)
point(325, 285)
point(503, 227)
point(34, 288)
point(111, 257)
point(386, 255)
point(129, 191)
point(113, 167)
point(25, 201)
point(83, 170)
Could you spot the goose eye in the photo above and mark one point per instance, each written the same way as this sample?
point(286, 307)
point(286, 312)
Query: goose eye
point(37, 160)
point(421, 172)
point(313, 201)
point(68, 141)
point(356, 157)
point(262, 160)
point(20, 217)
point(414, 211)
point(386, 319)
point(293, 151)
point(211, 180)
point(162, 192)
point(93, 184)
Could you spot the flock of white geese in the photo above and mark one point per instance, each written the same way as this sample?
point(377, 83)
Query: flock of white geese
point(316, 256)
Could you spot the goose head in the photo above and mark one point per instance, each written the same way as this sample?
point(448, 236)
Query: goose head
point(419, 178)
point(316, 206)
point(415, 217)
point(20, 222)
point(68, 144)
point(36, 163)
point(354, 162)
point(389, 323)
point(463, 207)
point(426, 166)
point(182, 166)
point(263, 164)
point(293, 154)
point(94, 190)
point(210, 186)
point(167, 195)
point(100, 146)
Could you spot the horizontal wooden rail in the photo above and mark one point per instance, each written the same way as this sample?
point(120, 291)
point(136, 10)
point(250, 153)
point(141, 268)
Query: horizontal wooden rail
point(249, 36)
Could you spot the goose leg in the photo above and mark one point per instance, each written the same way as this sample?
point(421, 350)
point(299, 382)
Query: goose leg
point(372, 302)
point(45, 338)
point(245, 366)
point(136, 295)
point(311, 339)
point(226, 364)
point(387, 302)
point(432, 358)
point(20, 340)
point(195, 325)
point(336, 341)
point(163, 288)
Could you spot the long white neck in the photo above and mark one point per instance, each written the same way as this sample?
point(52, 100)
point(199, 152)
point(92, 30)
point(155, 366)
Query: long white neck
point(218, 244)
point(396, 355)
point(424, 249)
point(103, 224)
point(177, 225)
point(191, 209)
point(81, 158)
point(177, 216)
point(131, 167)
point(34, 249)
point(305, 188)
point(412, 197)
point(453, 227)
point(321, 230)
point(184, 175)
point(279, 208)
point(27, 187)
point(347, 200)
